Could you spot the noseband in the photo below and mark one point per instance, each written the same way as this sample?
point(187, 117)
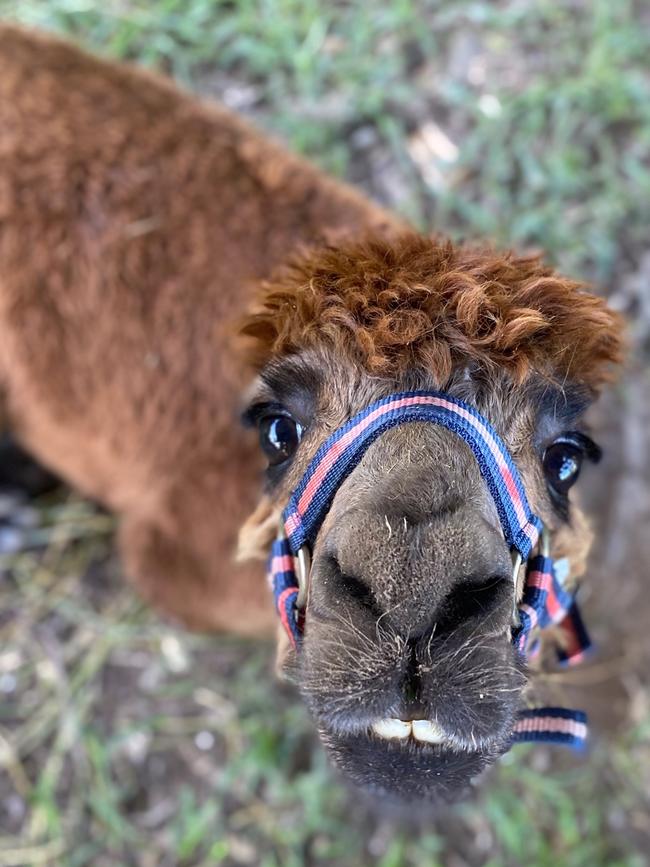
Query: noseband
point(545, 601)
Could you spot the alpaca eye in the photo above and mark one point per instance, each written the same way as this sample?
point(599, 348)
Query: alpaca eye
point(563, 460)
point(279, 437)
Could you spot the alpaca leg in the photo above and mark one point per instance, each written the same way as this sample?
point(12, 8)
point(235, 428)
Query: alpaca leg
point(203, 592)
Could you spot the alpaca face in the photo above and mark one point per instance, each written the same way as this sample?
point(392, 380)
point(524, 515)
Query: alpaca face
point(406, 661)
point(407, 664)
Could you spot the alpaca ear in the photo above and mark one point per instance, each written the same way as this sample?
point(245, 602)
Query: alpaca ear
point(258, 533)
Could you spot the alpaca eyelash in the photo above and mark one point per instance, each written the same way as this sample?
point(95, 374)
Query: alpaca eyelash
point(590, 449)
point(255, 413)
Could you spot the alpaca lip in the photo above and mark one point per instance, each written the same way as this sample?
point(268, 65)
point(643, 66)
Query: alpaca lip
point(420, 734)
point(423, 735)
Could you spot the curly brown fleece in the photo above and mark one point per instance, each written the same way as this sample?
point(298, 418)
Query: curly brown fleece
point(431, 304)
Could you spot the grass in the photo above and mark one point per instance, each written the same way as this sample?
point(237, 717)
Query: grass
point(126, 742)
point(543, 106)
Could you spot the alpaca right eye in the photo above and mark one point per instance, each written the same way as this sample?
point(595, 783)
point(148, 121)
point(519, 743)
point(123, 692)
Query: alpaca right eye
point(563, 460)
point(279, 437)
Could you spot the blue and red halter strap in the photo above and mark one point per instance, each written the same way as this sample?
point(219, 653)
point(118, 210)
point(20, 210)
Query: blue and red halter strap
point(551, 725)
point(343, 450)
point(544, 602)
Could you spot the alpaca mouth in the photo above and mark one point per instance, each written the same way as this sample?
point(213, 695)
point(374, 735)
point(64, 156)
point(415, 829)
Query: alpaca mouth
point(411, 719)
point(410, 761)
point(425, 734)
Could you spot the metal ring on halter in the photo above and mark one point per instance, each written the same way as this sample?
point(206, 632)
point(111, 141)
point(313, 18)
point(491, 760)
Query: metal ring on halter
point(545, 542)
point(517, 560)
point(302, 574)
point(303, 571)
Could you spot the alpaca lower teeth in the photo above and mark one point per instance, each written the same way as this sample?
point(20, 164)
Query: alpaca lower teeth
point(392, 728)
point(421, 730)
point(426, 731)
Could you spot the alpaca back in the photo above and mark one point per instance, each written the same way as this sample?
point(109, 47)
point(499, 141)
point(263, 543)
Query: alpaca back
point(133, 219)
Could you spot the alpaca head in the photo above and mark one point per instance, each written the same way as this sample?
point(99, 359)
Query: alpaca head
point(406, 662)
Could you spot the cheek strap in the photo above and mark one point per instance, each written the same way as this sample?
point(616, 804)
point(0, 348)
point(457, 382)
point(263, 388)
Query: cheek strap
point(545, 602)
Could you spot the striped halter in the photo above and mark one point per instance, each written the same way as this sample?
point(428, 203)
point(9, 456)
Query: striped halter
point(545, 601)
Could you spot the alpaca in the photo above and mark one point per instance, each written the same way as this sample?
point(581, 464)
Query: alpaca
point(139, 230)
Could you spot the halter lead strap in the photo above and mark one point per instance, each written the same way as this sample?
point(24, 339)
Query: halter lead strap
point(544, 601)
point(551, 725)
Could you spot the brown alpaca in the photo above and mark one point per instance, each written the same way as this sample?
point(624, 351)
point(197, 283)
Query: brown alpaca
point(137, 227)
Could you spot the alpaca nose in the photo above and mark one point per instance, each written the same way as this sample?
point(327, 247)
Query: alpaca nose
point(483, 600)
point(436, 574)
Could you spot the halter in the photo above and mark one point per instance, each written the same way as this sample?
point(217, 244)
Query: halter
point(545, 601)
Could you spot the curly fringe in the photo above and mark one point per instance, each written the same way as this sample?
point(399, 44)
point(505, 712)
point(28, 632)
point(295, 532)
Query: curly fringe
point(419, 302)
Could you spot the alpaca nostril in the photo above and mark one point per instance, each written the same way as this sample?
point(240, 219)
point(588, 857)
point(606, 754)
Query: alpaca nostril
point(473, 600)
point(349, 587)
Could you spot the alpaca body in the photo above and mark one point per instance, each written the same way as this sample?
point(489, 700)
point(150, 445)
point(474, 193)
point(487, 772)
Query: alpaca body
point(132, 222)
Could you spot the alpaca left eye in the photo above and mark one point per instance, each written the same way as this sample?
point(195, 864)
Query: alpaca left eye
point(279, 437)
point(562, 464)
